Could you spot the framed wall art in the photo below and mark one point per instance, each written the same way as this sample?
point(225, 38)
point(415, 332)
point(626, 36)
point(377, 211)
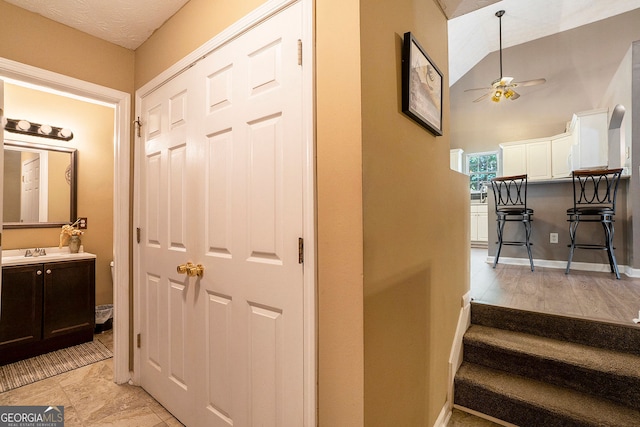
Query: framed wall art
point(421, 86)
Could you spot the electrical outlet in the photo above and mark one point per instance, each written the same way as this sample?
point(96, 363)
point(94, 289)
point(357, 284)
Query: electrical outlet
point(553, 237)
point(82, 223)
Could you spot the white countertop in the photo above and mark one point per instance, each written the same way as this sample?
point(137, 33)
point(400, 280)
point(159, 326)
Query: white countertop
point(54, 254)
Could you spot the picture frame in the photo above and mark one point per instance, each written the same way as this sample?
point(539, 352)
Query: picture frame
point(421, 86)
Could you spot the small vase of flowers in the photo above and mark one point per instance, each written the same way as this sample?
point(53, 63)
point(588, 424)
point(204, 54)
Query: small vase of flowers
point(71, 235)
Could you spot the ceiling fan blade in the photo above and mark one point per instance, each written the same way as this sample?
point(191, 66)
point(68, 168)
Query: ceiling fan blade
point(478, 88)
point(483, 97)
point(529, 83)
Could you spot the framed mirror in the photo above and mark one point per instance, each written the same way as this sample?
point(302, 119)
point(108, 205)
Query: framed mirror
point(40, 185)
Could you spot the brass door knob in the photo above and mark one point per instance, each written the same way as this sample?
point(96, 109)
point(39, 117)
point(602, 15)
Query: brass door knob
point(182, 269)
point(190, 269)
point(195, 270)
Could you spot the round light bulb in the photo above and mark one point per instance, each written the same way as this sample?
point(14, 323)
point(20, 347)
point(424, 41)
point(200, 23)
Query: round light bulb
point(24, 125)
point(45, 129)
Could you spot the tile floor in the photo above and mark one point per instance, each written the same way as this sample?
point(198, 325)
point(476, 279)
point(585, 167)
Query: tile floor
point(91, 398)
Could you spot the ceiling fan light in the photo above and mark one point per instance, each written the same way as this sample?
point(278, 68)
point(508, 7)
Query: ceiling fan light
point(496, 96)
point(508, 93)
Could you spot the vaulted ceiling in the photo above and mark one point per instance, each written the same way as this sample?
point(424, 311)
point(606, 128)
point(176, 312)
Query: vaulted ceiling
point(577, 45)
point(473, 26)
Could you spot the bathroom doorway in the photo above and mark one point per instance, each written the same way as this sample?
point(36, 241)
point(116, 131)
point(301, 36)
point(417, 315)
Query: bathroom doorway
point(121, 103)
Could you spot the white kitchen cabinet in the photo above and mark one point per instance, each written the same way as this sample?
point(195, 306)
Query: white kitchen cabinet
point(514, 159)
point(591, 148)
point(479, 223)
point(561, 146)
point(532, 157)
point(539, 160)
point(584, 145)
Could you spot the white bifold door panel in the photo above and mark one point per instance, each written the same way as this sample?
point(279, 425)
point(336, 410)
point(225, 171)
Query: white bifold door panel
point(221, 186)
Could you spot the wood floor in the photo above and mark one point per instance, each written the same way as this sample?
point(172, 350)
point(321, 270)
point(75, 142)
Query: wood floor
point(586, 294)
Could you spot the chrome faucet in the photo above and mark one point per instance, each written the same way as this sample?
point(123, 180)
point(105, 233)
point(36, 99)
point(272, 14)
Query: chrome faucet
point(35, 253)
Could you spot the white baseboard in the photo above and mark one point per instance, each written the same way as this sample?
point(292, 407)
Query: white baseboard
point(455, 357)
point(582, 266)
point(443, 417)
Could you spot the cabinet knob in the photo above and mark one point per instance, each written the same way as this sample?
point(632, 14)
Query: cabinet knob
point(48, 271)
point(39, 272)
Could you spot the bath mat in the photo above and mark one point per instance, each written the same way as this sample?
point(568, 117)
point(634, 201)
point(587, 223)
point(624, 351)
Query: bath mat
point(47, 365)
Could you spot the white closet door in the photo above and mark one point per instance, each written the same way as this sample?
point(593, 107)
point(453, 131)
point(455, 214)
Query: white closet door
point(221, 187)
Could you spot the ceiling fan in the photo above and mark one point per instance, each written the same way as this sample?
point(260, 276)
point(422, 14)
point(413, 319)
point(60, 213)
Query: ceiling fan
point(504, 86)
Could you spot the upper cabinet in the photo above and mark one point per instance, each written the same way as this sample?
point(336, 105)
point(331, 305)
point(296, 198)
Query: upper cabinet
point(584, 145)
point(561, 146)
point(531, 157)
point(591, 146)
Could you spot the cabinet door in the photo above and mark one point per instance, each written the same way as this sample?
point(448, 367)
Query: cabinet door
point(539, 160)
point(514, 160)
point(69, 298)
point(593, 140)
point(483, 224)
point(474, 223)
point(561, 156)
point(21, 310)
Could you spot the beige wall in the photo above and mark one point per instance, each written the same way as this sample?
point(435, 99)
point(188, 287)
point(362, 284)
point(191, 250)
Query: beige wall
point(93, 128)
point(416, 251)
point(339, 213)
point(31, 39)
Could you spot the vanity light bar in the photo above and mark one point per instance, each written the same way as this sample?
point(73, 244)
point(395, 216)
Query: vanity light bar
point(36, 129)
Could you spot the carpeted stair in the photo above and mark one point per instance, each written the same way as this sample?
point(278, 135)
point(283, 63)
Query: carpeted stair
point(536, 369)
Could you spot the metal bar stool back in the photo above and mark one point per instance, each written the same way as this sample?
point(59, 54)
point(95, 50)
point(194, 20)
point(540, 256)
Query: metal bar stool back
point(510, 195)
point(594, 200)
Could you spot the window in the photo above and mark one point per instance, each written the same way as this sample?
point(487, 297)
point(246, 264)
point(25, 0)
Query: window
point(481, 167)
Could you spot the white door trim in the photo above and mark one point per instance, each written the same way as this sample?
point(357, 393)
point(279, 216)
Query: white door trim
point(121, 101)
point(309, 226)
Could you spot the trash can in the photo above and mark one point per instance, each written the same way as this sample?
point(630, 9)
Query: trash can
point(104, 318)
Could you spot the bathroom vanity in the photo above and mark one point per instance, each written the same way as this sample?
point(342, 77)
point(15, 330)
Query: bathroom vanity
point(47, 302)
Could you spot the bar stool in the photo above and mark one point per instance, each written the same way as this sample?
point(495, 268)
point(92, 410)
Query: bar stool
point(594, 200)
point(510, 194)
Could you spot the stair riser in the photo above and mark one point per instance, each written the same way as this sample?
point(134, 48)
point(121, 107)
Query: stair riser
point(504, 408)
point(624, 338)
point(621, 389)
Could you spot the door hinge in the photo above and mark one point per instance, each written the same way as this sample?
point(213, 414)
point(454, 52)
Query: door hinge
point(138, 234)
point(300, 250)
point(138, 340)
point(299, 52)
point(138, 124)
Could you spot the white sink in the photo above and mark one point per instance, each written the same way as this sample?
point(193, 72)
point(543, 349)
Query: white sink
point(16, 256)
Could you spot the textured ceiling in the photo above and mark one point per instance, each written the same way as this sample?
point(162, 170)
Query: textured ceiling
point(127, 23)
point(474, 33)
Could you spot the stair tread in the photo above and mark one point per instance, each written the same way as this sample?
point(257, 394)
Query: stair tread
point(593, 358)
point(555, 399)
point(591, 332)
